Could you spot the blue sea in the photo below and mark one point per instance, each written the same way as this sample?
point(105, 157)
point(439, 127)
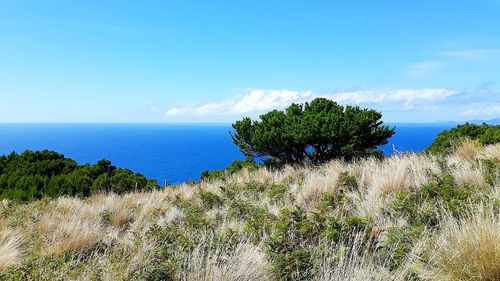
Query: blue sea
point(166, 152)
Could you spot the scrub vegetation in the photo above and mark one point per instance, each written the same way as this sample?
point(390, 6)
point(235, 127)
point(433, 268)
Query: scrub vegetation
point(33, 175)
point(405, 217)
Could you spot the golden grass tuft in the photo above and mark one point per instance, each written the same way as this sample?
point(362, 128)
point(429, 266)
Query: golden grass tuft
point(467, 248)
point(11, 248)
point(466, 172)
point(78, 230)
point(245, 261)
point(491, 152)
point(467, 148)
point(402, 172)
point(315, 184)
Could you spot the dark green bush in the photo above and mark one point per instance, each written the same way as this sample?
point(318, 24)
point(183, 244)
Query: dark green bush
point(210, 200)
point(347, 181)
point(166, 261)
point(485, 134)
point(492, 170)
point(36, 174)
point(295, 264)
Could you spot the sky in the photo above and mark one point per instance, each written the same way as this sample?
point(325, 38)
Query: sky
point(216, 61)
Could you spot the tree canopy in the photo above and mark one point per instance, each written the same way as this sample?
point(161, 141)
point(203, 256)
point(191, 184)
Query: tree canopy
point(313, 132)
point(36, 174)
point(484, 134)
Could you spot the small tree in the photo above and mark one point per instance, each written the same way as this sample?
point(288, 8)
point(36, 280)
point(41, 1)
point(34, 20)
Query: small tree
point(313, 132)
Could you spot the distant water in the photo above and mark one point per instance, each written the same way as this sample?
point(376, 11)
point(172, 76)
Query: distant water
point(174, 153)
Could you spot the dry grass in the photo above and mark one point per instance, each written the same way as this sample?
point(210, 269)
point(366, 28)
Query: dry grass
point(11, 248)
point(468, 149)
point(491, 152)
point(111, 233)
point(350, 261)
point(317, 183)
point(466, 172)
point(467, 248)
point(209, 262)
point(72, 233)
point(402, 172)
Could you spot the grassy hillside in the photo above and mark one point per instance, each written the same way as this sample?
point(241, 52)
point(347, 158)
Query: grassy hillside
point(408, 217)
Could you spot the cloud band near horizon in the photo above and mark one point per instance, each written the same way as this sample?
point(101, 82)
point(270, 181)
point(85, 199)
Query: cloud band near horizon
point(261, 100)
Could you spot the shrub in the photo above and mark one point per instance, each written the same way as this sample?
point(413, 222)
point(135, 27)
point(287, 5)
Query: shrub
point(276, 192)
point(399, 242)
point(422, 207)
point(289, 246)
point(235, 167)
point(37, 174)
point(194, 214)
point(347, 181)
point(210, 200)
point(446, 140)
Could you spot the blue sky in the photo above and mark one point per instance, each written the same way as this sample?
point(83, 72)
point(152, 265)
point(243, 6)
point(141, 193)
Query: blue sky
point(215, 61)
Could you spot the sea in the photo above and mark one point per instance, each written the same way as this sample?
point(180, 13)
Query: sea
point(169, 153)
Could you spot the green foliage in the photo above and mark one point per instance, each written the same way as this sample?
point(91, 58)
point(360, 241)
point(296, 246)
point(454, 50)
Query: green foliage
point(210, 200)
point(36, 174)
point(347, 181)
point(485, 134)
point(243, 210)
point(295, 264)
point(399, 243)
point(194, 214)
point(286, 246)
point(235, 167)
point(295, 232)
point(277, 192)
point(314, 132)
point(166, 262)
point(492, 170)
point(230, 190)
point(421, 207)
point(327, 202)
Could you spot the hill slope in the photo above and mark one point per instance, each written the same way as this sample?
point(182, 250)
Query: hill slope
point(408, 217)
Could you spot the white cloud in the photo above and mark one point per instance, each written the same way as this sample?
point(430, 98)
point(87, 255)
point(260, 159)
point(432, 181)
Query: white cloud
point(487, 111)
point(255, 101)
point(260, 101)
point(408, 98)
point(425, 67)
point(475, 54)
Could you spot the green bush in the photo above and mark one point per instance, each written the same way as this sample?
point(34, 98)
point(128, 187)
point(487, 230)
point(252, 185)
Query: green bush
point(210, 200)
point(347, 181)
point(277, 192)
point(235, 167)
point(485, 134)
point(399, 243)
point(422, 207)
point(294, 229)
point(167, 259)
point(194, 214)
point(36, 174)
